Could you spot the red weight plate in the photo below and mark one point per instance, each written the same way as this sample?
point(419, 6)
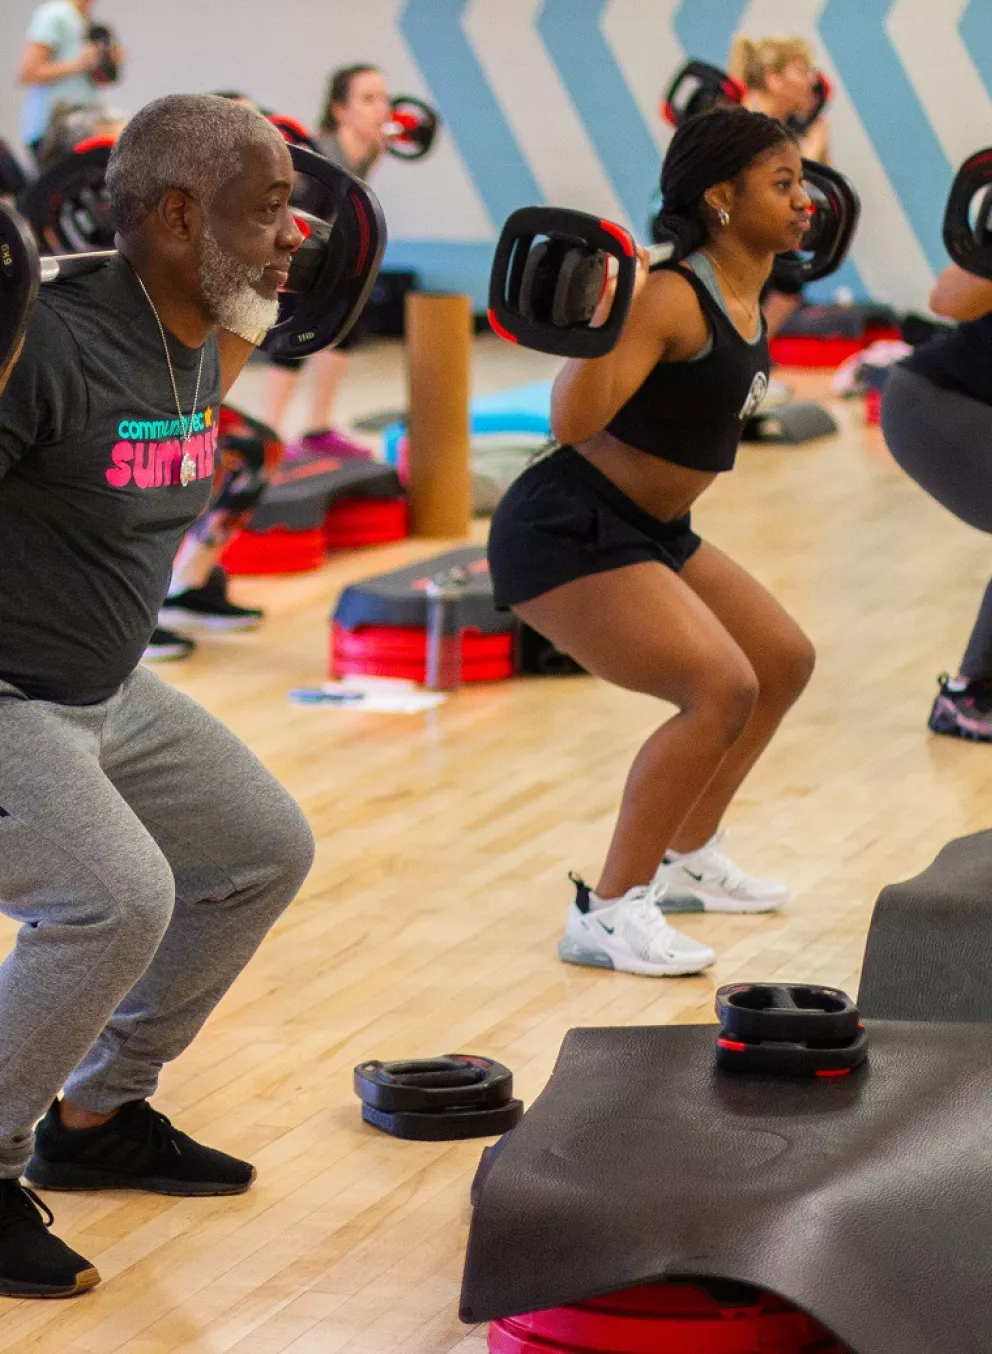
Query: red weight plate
point(366, 521)
point(401, 652)
point(274, 552)
point(663, 1319)
point(807, 351)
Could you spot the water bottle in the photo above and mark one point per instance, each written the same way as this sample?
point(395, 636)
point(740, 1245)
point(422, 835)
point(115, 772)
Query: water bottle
point(444, 631)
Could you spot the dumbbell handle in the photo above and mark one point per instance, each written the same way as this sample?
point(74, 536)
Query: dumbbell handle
point(68, 265)
point(658, 255)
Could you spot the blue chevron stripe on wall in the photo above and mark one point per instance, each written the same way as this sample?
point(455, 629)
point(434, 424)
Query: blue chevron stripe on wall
point(557, 101)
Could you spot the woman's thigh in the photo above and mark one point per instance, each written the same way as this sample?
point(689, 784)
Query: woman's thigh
point(641, 627)
point(776, 647)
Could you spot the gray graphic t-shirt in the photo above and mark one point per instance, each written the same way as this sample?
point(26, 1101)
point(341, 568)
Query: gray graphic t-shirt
point(91, 505)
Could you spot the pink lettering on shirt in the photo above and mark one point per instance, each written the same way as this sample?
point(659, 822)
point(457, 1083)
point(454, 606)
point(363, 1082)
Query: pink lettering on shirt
point(144, 465)
point(119, 474)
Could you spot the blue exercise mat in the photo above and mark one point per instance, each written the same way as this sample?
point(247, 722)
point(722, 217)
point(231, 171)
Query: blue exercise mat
point(524, 409)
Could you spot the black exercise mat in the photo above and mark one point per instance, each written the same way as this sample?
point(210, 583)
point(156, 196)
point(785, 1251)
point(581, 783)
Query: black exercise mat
point(400, 598)
point(929, 950)
point(864, 1200)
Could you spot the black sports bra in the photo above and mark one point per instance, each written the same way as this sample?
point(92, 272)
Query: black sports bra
point(691, 413)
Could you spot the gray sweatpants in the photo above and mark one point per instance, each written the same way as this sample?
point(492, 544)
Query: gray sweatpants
point(943, 441)
point(145, 852)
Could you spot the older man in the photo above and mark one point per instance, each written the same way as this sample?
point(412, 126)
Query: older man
point(144, 850)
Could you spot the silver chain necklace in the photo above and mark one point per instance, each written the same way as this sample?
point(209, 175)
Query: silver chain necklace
point(749, 311)
point(187, 466)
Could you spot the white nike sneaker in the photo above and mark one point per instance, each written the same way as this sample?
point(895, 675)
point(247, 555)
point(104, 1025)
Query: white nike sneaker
point(630, 935)
point(706, 881)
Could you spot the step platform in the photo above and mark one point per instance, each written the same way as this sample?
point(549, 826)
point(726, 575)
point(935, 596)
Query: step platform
point(864, 1202)
point(316, 503)
point(379, 626)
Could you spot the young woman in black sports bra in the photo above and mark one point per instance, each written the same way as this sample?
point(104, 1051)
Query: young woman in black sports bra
point(593, 547)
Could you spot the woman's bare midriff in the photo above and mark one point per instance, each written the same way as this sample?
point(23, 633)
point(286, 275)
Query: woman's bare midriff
point(665, 490)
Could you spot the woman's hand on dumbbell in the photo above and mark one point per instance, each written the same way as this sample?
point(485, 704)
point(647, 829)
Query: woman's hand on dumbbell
point(605, 304)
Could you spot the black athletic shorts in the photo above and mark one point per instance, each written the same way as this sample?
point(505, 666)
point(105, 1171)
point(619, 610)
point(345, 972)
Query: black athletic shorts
point(563, 519)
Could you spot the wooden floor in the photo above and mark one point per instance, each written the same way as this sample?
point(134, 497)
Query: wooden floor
point(430, 920)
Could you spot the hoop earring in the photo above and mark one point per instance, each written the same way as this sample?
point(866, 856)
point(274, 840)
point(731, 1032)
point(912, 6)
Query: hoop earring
point(723, 217)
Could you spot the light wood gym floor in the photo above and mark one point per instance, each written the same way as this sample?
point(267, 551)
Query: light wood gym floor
point(430, 921)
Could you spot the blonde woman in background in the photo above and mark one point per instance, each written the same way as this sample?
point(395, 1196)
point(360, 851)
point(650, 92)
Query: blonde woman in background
point(780, 77)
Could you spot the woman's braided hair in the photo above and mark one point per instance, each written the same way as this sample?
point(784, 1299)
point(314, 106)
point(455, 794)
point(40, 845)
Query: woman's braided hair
point(711, 148)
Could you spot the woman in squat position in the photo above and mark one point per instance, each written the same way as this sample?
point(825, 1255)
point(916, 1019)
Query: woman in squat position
point(592, 546)
point(937, 421)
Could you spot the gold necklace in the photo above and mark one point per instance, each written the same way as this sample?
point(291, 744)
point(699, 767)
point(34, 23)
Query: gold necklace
point(748, 311)
point(187, 466)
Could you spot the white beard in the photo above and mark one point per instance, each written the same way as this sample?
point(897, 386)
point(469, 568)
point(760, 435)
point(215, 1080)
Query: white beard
point(229, 289)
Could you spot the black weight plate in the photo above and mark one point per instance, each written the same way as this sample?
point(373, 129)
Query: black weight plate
point(68, 205)
point(426, 1085)
point(446, 1125)
point(792, 1059)
point(19, 275)
point(786, 1013)
point(414, 141)
point(511, 302)
point(967, 247)
point(333, 273)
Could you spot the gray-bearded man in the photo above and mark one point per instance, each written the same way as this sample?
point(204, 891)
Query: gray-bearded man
point(143, 849)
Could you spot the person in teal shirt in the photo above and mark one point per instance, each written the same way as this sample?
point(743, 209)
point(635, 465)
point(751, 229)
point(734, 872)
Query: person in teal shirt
point(57, 65)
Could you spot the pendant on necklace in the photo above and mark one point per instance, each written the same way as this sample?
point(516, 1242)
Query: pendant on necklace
point(187, 469)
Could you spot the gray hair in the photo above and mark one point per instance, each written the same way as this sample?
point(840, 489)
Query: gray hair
point(193, 142)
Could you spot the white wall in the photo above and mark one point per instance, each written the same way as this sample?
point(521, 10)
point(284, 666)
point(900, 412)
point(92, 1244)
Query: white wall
point(556, 101)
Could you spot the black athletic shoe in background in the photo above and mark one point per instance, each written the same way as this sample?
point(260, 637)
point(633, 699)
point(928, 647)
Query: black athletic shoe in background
point(137, 1149)
point(209, 606)
point(964, 713)
point(34, 1263)
point(165, 646)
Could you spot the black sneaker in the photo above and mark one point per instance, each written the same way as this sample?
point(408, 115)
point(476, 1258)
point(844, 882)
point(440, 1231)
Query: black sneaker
point(33, 1262)
point(166, 646)
point(209, 606)
point(963, 714)
point(137, 1149)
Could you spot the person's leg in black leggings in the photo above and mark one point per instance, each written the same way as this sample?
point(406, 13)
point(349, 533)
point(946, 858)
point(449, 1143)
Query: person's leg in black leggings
point(943, 441)
point(977, 660)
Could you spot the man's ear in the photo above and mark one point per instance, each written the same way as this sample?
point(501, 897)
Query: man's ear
point(178, 212)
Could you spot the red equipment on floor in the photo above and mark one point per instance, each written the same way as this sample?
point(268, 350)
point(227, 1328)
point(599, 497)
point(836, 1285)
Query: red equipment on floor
point(826, 336)
point(379, 627)
point(316, 503)
point(666, 1319)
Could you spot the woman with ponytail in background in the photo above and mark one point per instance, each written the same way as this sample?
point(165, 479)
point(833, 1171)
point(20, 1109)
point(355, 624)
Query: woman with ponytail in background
point(351, 134)
point(593, 545)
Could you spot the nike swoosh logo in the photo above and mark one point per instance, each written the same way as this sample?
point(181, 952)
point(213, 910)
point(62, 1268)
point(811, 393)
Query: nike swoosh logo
point(608, 929)
point(692, 874)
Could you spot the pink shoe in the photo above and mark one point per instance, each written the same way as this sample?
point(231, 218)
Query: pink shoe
point(329, 442)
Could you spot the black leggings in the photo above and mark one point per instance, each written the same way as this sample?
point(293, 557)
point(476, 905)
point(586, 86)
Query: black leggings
point(943, 441)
